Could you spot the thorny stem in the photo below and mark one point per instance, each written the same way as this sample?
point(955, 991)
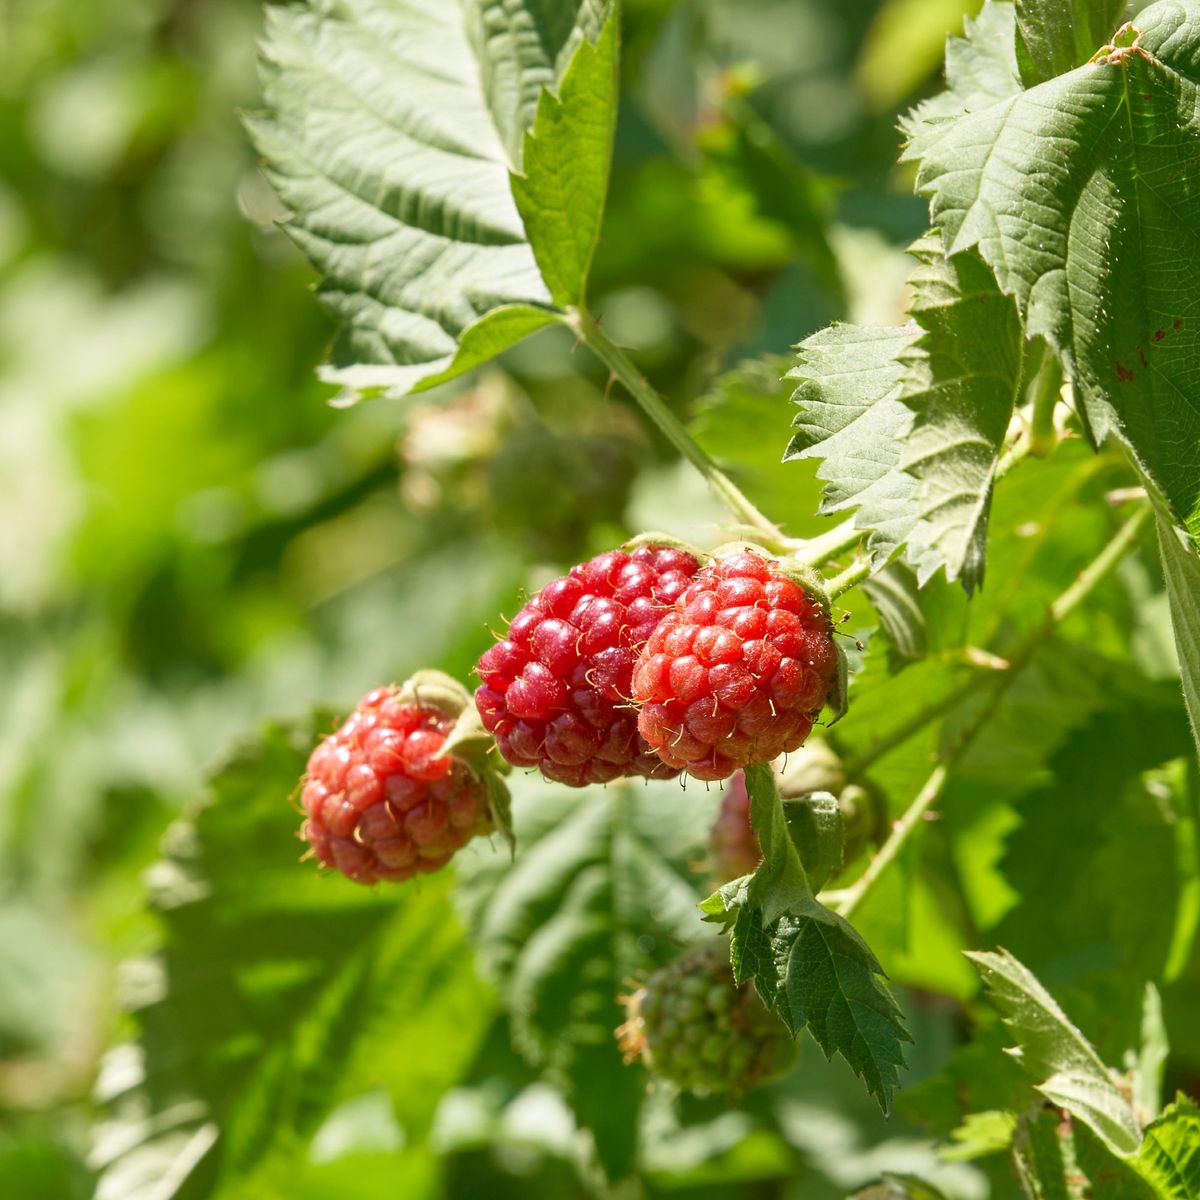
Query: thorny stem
point(847, 900)
point(652, 404)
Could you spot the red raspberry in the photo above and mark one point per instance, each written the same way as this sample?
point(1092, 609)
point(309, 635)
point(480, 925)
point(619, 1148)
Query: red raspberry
point(732, 844)
point(737, 672)
point(382, 801)
point(555, 691)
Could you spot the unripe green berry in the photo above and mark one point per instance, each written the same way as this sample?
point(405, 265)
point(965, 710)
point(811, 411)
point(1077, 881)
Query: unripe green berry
point(691, 1024)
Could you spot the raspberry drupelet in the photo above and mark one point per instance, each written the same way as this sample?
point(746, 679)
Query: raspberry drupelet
point(555, 691)
point(382, 801)
point(737, 672)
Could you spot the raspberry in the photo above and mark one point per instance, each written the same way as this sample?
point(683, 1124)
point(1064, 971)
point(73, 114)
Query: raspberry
point(732, 844)
point(555, 691)
point(382, 800)
point(737, 672)
point(691, 1024)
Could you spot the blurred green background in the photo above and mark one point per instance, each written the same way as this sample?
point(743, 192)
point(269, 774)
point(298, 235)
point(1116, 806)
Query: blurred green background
point(193, 540)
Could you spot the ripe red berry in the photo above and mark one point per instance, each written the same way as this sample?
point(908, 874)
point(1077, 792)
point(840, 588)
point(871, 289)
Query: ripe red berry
point(737, 671)
point(381, 799)
point(556, 691)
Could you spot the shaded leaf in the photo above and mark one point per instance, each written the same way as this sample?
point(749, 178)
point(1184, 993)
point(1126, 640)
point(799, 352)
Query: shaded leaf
point(816, 972)
point(282, 990)
point(1065, 1067)
point(603, 890)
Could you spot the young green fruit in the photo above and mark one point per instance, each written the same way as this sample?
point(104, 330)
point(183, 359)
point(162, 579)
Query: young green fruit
point(692, 1025)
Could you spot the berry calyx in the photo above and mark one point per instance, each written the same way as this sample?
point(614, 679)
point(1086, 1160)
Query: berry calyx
point(692, 1025)
point(386, 797)
point(737, 672)
point(555, 691)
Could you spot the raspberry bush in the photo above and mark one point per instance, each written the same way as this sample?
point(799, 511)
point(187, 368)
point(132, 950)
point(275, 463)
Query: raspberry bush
point(917, 696)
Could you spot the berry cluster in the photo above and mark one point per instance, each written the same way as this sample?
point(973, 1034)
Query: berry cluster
point(636, 663)
point(692, 1025)
point(381, 798)
point(647, 664)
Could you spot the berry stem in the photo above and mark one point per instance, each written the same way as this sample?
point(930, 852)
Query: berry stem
point(653, 405)
point(848, 899)
point(851, 577)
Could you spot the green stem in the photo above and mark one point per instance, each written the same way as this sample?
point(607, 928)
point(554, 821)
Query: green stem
point(652, 404)
point(848, 899)
point(1044, 392)
point(851, 577)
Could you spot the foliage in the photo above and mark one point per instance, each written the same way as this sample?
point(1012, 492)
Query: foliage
point(509, 208)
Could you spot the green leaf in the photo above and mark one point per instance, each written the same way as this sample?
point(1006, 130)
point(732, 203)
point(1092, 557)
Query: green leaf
point(1152, 1055)
point(829, 981)
point(780, 883)
point(1056, 1159)
point(1181, 568)
point(284, 991)
point(981, 67)
point(1169, 1158)
point(390, 132)
point(814, 823)
point(962, 379)
point(981, 1134)
point(850, 416)
point(1079, 196)
point(813, 970)
point(602, 890)
point(1055, 37)
point(1065, 1067)
point(895, 596)
point(561, 188)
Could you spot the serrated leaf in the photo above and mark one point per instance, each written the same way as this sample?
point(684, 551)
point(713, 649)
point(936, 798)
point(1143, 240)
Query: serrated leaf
point(962, 379)
point(1065, 1067)
point(1169, 1158)
point(813, 970)
point(564, 176)
point(981, 67)
point(1181, 569)
point(602, 891)
point(389, 132)
point(1079, 195)
point(1054, 38)
point(284, 990)
point(850, 416)
point(831, 983)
